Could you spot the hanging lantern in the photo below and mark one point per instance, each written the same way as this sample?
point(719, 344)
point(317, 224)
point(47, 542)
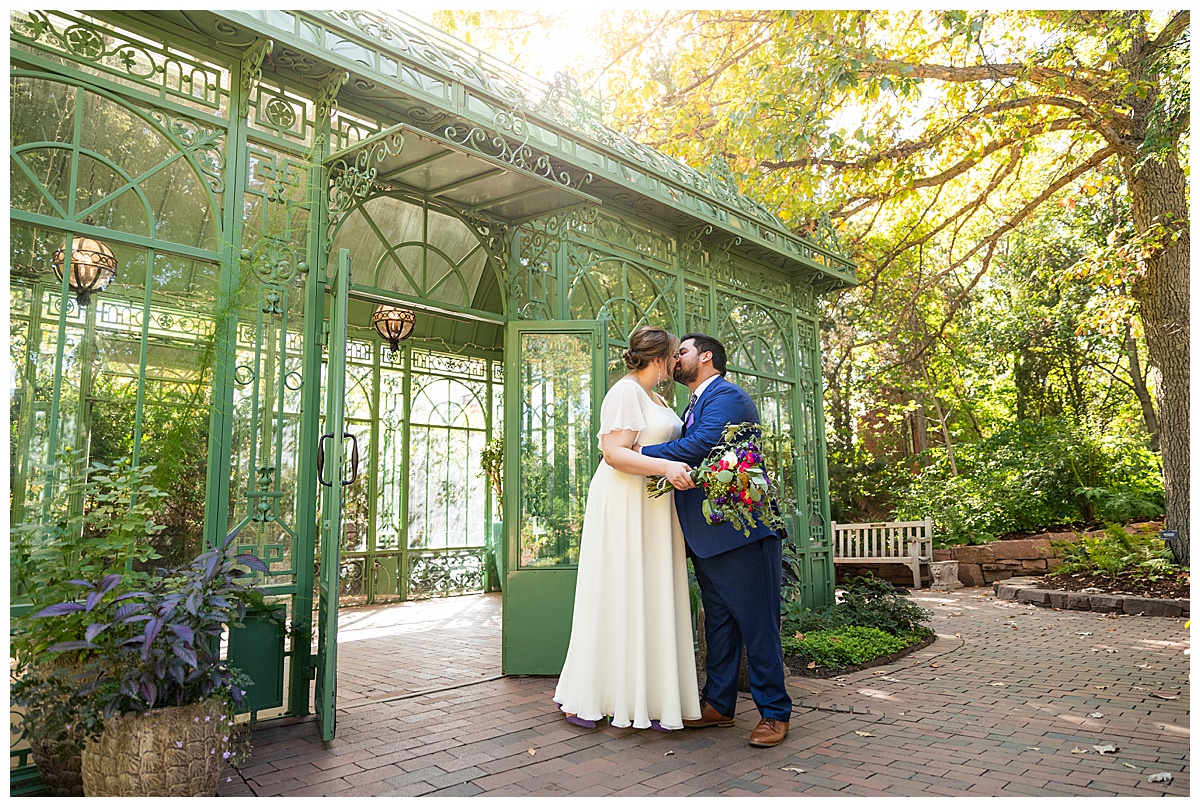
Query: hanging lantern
point(394, 324)
point(93, 266)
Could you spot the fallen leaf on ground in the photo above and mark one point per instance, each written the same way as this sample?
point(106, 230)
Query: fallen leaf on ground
point(935, 664)
point(1164, 697)
point(1085, 633)
point(958, 636)
point(669, 754)
point(1160, 777)
point(1078, 750)
point(793, 769)
point(1032, 748)
point(902, 714)
point(1140, 689)
point(879, 672)
point(532, 752)
point(864, 734)
point(812, 665)
point(1096, 714)
point(1107, 748)
point(889, 678)
point(1127, 765)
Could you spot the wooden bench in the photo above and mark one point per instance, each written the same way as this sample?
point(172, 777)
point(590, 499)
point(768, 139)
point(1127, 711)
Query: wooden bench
point(906, 542)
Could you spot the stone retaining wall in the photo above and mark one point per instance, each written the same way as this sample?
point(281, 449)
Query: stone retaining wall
point(1000, 560)
point(1027, 591)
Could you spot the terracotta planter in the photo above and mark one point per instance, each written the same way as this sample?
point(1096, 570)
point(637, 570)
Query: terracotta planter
point(177, 751)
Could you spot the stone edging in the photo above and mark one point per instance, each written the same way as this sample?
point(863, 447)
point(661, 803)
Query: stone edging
point(1027, 591)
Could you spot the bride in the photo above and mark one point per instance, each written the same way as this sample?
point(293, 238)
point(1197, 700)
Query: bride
point(630, 657)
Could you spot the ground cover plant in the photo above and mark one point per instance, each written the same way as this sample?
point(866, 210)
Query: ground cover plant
point(872, 619)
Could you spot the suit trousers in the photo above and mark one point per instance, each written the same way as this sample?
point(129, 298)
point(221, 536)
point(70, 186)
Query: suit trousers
point(741, 589)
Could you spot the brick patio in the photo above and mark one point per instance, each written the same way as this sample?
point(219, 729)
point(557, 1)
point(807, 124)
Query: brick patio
point(1009, 699)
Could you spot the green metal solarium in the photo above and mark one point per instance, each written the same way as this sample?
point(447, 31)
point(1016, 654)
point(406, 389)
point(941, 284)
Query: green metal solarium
point(241, 195)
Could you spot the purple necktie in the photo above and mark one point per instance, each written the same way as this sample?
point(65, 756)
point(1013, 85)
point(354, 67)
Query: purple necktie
point(687, 413)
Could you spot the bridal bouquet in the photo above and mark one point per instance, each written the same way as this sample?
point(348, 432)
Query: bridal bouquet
point(736, 487)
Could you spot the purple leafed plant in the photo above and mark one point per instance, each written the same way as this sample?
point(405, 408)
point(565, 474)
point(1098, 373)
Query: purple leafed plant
point(157, 647)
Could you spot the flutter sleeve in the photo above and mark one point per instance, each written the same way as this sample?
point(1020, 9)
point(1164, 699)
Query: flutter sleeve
point(623, 408)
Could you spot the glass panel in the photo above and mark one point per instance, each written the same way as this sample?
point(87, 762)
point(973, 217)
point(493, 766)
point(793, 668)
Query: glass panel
point(448, 431)
point(557, 441)
point(49, 119)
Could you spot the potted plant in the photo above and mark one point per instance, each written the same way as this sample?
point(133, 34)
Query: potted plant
point(166, 698)
point(95, 521)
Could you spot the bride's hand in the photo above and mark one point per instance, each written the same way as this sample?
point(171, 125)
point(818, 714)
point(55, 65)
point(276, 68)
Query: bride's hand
point(679, 475)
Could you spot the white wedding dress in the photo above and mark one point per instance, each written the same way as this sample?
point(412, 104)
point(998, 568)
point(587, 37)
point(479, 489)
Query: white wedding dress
point(630, 655)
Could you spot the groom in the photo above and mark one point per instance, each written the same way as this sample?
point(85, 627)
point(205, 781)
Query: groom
point(740, 577)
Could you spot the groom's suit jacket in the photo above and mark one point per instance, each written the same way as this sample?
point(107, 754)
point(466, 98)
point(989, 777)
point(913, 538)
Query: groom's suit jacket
point(722, 403)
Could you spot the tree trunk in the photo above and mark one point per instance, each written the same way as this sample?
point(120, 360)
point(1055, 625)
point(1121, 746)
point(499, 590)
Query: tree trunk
point(1158, 195)
point(1149, 417)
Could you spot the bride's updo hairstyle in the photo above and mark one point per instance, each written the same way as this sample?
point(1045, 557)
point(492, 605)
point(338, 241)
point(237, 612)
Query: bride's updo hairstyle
point(647, 344)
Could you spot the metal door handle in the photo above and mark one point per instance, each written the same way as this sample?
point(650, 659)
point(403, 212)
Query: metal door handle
point(321, 460)
point(353, 460)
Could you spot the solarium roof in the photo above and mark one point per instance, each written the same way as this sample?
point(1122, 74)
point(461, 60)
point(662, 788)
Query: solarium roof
point(456, 91)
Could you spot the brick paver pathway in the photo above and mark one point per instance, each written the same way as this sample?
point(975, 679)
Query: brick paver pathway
point(385, 651)
point(997, 706)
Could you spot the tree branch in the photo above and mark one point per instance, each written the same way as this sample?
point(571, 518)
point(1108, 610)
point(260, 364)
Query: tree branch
point(1170, 32)
point(1035, 74)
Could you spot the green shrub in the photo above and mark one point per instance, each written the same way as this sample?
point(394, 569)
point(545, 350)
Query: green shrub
point(845, 646)
point(867, 602)
point(1116, 551)
point(1035, 474)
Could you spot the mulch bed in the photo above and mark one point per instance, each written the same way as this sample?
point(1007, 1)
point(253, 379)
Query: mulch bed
point(1170, 587)
point(799, 666)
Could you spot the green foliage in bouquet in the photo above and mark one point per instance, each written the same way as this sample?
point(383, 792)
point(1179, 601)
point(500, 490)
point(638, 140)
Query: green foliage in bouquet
point(737, 489)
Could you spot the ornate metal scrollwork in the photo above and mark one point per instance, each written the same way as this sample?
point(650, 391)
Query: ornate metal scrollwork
point(565, 103)
point(252, 61)
point(204, 144)
point(825, 236)
point(326, 100)
point(351, 182)
point(274, 261)
point(440, 573)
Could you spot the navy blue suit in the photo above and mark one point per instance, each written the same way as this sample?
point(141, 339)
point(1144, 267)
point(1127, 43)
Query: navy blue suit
point(740, 577)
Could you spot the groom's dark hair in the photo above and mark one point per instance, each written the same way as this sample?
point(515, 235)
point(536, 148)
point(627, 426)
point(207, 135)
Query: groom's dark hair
point(705, 343)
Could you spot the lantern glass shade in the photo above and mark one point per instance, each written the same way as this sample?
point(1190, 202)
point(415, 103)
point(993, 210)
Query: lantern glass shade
point(394, 324)
point(93, 267)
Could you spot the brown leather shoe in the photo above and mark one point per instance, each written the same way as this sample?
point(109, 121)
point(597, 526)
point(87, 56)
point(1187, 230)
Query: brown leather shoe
point(708, 717)
point(768, 732)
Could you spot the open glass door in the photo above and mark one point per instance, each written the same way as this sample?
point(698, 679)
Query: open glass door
point(554, 382)
point(330, 455)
